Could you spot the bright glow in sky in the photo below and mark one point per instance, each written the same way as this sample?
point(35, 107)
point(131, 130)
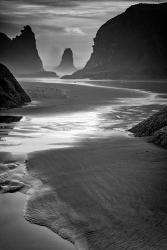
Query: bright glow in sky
point(59, 24)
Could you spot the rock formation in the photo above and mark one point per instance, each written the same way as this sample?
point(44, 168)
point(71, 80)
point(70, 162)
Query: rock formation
point(20, 54)
point(11, 93)
point(9, 119)
point(131, 45)
point(160, 137)
point(67, 63)
point(155, 127)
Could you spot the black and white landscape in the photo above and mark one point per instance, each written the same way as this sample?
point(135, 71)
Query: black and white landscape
point(83, 125)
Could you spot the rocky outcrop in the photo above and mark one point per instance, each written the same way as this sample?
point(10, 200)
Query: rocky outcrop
point(155, 127)
point(9, 119)
point(152, 124)
point(130, 46)
point(20, 54)
point(67, 63)
point(160, 137)
point(11, 93)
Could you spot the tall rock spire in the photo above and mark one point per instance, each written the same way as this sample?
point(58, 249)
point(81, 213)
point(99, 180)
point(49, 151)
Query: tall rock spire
point(67, 63)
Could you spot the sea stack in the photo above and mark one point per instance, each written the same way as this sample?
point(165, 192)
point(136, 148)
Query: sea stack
point(12, 94)
point(67, 63)
point(131, 45)
point(20, 54)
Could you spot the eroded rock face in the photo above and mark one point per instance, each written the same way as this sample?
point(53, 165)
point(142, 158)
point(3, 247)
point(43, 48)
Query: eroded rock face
point(155, 127)
point(130, 46)
point(160, 137)
point(11, 93)
point(20, 54)
point(151, 124)
point(67, 63)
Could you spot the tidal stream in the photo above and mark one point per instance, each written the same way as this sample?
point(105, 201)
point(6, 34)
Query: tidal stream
point(61, 130)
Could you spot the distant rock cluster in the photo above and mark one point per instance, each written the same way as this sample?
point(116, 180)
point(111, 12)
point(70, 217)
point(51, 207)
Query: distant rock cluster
point(132, 45)
point(11, 93)
point(20, 54)
point(155, 127)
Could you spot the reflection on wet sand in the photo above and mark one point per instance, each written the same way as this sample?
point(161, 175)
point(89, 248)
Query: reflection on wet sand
point(22, 234)
point(15, 179)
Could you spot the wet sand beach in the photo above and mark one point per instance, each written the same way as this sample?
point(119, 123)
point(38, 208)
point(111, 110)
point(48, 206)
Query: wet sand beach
point(100, 187)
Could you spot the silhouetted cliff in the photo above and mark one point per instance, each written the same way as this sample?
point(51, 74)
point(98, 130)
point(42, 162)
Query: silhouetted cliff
point(67, 63)
point(11, 93)
point(20, 54)
point(131, 45)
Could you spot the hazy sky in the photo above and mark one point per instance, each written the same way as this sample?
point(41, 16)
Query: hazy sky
point(61, 23)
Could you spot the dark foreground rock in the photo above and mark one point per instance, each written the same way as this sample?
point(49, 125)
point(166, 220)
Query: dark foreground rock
point(130, 46)
point(11, 93)
point(9, 118)
point(155, 127)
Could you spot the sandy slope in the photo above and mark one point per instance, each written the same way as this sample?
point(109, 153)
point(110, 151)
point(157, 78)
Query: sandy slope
point(110, 195)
